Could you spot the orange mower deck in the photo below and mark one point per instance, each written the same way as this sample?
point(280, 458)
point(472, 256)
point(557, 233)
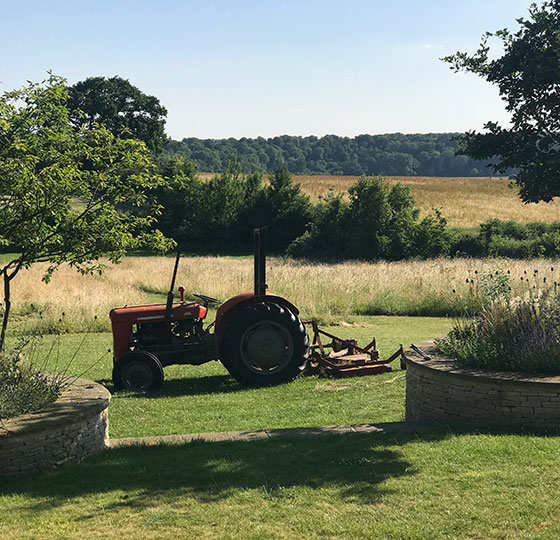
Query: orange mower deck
point(347, 358)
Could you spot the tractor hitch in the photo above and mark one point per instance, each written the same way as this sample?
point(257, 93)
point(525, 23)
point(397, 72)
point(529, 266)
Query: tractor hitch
point(346, 358)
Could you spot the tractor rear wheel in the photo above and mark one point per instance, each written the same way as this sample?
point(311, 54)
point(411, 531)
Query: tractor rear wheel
point(266, 344)
point(138, 370)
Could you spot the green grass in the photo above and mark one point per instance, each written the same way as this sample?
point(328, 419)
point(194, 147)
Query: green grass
point(197, 399)
point(6, 257)
point(438, 485)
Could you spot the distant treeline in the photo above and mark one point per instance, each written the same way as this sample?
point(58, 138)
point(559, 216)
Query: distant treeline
point(429, 154)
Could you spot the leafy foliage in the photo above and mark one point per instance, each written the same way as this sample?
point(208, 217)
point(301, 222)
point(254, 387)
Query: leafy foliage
point(66, 195)
point(282, 208)
point(495, 285)
point(121, 107)
point(497, 238)
point(218, 216)
point(432, 154)
point(378, 222)
point(528, 78)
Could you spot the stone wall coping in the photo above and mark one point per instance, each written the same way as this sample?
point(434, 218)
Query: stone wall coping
point(79, 399)
point(441, 363)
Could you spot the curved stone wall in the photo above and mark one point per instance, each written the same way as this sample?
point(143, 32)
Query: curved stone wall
point(438, 390)
point(71, 428)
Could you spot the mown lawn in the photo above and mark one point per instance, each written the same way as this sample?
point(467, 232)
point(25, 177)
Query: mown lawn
point(401, 486)
point(196, 399)
point(427, 485)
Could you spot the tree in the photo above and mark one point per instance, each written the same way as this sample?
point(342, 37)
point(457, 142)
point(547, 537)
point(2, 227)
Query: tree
point(378, 222)
point(179, 196)
point(327, 236)
point(282, 208)
point(66, 195)
point(528, 78)
point(124, 109)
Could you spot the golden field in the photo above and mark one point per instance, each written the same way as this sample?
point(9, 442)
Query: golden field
point(465, 202)
point(333, 293)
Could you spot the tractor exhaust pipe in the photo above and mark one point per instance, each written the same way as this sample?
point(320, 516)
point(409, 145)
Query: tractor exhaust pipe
point(259, 263)
point(170, 295)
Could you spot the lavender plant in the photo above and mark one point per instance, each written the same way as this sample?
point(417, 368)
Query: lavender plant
point(517, 334)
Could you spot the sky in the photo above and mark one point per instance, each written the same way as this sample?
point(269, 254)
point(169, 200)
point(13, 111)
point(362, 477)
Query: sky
point(252, 68)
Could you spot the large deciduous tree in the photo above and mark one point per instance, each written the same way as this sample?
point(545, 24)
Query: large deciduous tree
point(68, 195)
point(124, 109)
point(528, 77)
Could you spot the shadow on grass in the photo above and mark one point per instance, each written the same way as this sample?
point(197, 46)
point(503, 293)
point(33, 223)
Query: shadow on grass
point(187, 386)
point(193, 386)
point(353, 467)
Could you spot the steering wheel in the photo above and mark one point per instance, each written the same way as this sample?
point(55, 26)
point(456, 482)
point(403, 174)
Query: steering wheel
point(207, 299)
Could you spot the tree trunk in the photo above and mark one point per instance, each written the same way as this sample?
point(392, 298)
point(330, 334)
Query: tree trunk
point(7, 306)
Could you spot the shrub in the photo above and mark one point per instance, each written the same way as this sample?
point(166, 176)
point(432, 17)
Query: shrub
point(326, 236)
point(281, 207)
point(496, 238)
point(497, 227)
point(466, 243)
point(514, 248)
point(432, 237)
point(518, 241)
point(217, 216)
point(379, 222)
point(23, 388)
point(521, 334)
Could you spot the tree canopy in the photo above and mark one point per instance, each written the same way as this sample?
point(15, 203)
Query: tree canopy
point(378, 221)
point(528, 78)
point(66, 195)
point(428, 154)
point(218, 215)
point(121, 107)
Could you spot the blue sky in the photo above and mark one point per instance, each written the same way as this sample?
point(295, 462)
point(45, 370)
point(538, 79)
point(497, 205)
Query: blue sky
point(265, 68)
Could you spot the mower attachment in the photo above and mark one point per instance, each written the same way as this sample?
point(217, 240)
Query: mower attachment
point(347, 358)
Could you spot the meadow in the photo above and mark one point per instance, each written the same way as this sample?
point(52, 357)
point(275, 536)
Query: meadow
point(332, 293)
point(465, 202)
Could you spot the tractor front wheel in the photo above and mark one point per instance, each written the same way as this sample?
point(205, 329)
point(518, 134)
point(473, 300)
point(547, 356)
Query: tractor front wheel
point(265, 345)
point(138, 370)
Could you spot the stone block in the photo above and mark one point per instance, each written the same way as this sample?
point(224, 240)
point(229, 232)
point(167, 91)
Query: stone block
point(440, 390)
point(75, 426)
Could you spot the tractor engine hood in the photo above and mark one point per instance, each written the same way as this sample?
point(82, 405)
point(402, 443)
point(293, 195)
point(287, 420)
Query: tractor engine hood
point(156, 312)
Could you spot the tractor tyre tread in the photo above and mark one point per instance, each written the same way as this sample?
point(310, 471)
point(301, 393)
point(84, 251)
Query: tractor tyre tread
point(231, 356)
point(151, 360)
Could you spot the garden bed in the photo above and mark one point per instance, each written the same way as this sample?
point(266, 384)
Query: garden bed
point(439, 390)
point(71, 428)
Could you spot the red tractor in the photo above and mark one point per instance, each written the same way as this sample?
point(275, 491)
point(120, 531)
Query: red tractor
point(257, 336)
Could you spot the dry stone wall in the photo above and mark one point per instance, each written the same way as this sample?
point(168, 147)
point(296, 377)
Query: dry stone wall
point(71, 428)
point(439, 390)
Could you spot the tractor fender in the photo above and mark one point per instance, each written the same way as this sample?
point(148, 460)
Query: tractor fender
point(228, 309)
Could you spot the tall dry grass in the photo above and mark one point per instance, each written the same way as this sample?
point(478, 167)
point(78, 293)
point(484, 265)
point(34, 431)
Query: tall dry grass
point(332, 293)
